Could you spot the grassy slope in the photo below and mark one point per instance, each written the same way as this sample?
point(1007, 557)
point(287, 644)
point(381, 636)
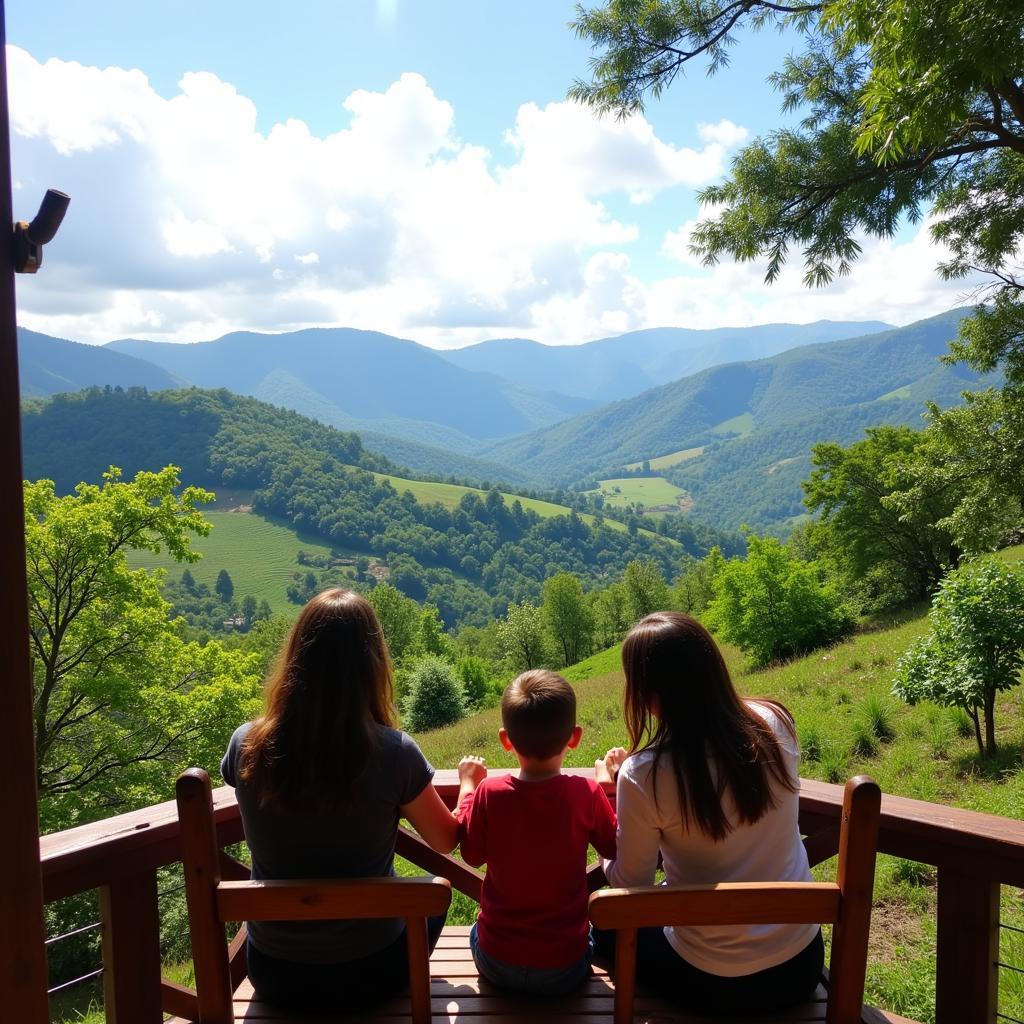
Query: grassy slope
point(258, 553)
point(648, 490)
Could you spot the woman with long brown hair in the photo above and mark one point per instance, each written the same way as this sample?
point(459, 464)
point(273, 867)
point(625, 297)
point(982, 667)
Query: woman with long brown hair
point(710, 782)
point(322, 779)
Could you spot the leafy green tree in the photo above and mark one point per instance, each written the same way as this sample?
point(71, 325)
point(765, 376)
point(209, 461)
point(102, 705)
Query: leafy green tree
point(474, 674)
point(608, 607)
point(646, 590)
point(522, 635)
point(249, 609)
point(432, 638)
point(118, 695)
point(975, 646)
point(263, 612)
point(399, 618)
point(434, 695)
point(773, 606)
point(224, 587)
point(188, 581)
point(887, 549)
point(567, 616)
point(695, 587)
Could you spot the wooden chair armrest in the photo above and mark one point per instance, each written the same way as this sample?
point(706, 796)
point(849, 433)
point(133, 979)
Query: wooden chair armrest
point(332, 899)
point(725, 903)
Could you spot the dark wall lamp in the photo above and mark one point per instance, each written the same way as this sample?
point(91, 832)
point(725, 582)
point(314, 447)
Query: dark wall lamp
point(29, 239)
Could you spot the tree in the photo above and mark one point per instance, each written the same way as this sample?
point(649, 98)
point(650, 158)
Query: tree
point(773, 606)
point(695, 587)
point(249, 609)
point(888, 549)
point(224, 588)
point(434, 695)
point(975, 646)
point(608, 608)
point(188, 581)
point(522, 635)
point(907, 104)
point(567, 616)
point(399, 618)
point(646, 590)
point(474, 674)
point(116, 690)
point(432, 639)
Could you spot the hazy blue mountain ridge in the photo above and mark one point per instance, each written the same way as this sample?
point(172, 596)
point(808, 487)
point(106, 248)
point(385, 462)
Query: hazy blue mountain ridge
point(366, 376)
point(622, 366)
point(49, 366)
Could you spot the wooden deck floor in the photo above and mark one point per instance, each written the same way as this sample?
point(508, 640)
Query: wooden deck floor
point(459, 996)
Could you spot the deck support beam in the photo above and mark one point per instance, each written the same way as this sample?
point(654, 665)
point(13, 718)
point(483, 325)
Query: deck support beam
point(22, 950)
point(131, 950)
point(966, 976)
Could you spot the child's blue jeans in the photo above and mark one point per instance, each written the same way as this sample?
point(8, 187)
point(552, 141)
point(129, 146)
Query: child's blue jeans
point(545, 981)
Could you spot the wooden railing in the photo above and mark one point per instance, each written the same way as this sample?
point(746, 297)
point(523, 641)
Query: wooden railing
point(974, 854)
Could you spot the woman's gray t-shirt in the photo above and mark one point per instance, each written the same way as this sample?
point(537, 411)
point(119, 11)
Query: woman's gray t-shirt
point(358, 842)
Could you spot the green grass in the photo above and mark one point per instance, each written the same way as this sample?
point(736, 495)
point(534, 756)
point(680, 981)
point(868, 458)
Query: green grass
point(259, 553)
point(740, 425)
point(450, 495)
point(666, 461)
point(646, 490)
point(896, 393)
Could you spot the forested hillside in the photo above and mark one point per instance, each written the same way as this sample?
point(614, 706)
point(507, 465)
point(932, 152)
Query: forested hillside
point(470, 561)
point(748, 397)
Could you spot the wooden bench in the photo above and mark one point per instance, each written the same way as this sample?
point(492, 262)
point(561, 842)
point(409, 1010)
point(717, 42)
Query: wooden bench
point(453, 993)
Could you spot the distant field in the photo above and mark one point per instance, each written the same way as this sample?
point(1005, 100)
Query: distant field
point(648, 490)
point(667, 461)
point(450, 495)
point(741, 425)
point(258, 553)
point(889, 396)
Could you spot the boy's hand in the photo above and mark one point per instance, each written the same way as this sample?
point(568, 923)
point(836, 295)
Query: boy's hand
point(607, 767)
point(472, 771)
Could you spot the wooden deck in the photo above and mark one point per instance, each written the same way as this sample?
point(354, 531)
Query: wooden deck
point(459, 996)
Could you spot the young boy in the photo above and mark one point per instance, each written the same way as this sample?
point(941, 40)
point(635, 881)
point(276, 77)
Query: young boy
point(532, 829)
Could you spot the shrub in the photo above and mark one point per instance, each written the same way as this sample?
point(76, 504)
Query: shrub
point(773, 606)
point(876, 713)
point(810, 743)
point(434, 695)
point(474, 674)
point(962, 723)
point(864, 742)
point(833, 763)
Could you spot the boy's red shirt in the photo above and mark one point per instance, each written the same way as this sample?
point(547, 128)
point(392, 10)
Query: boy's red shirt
point(533, 837)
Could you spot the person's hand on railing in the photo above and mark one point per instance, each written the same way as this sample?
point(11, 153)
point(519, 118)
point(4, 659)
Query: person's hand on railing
point(607, 768)
point(472, 771)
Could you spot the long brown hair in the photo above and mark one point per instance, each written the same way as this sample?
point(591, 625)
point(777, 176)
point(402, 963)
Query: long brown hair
point(331, 687)
point(673, 664)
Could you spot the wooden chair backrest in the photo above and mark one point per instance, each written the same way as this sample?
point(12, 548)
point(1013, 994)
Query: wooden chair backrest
point(212, 901)
point(845, 904)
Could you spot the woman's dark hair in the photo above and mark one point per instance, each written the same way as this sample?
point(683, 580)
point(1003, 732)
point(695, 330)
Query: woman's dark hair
point(674, 667)
point(330, 689)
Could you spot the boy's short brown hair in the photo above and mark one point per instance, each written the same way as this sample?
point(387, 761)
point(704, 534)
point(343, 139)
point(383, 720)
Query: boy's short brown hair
point(538, 711)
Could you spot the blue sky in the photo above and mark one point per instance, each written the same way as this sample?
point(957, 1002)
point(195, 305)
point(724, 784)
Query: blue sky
point(499, 147)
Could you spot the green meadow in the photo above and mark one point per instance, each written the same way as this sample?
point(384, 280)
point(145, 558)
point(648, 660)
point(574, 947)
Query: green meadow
point(645, 490)
point(666, 461)
point(259, 554)
point(740, 425)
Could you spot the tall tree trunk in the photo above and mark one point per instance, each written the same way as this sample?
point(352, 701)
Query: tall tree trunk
point(973, 712)
point(990, 722)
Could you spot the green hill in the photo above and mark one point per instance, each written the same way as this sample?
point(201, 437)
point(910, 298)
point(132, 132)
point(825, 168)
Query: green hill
point(748, 398)
point(469, 552)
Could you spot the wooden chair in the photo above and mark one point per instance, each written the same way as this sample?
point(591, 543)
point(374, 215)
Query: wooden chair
point(845, 904)
point(212, 901)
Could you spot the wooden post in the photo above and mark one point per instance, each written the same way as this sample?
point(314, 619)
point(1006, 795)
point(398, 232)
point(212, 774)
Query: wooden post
point(966, 978)
point(419, 968)
point(625, 974)
point(22, 935)
point(131, 950)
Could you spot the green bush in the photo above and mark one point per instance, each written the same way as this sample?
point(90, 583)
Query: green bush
point(474, 674)
point(864, 742)
point(773, 605)
point(876, 713)
point(434, 696)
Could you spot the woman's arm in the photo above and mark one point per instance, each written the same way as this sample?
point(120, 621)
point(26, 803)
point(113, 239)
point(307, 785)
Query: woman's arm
point(432, 820)
point(637, 838)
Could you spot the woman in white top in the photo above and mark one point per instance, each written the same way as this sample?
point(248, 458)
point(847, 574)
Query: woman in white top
point(711, 783)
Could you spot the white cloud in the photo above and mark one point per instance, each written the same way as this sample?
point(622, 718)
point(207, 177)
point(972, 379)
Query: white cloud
point(187, 221)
